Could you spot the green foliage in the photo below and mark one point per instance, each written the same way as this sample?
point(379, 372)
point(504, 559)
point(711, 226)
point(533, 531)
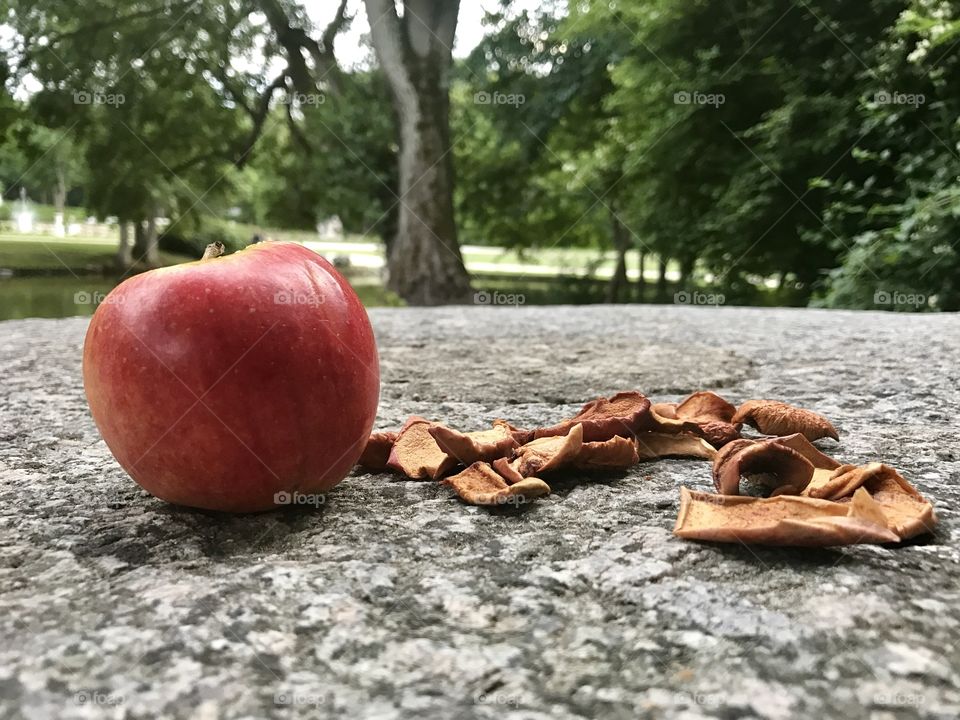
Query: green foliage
point(191, 236)
point(526, 129)
point(814, 144)
point(341, 162)
point(901, 207)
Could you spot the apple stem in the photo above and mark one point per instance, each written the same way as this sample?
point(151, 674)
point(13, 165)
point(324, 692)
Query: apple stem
point(214, 250)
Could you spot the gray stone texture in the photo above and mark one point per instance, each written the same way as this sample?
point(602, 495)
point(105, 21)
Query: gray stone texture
point(395, 599)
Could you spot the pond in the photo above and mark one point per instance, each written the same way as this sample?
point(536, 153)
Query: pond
point(59, 296)
point(50, 296)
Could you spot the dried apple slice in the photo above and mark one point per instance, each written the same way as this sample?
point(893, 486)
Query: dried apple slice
point(791, 470)
point(470, 447)
point(667, 411)
point(834, 484)
point(651, 446)
point(480, 484)
point(549, 453)
point(376, 453)
point(507, 470)
point(703, 413)
point(617, 453)
point(706, 406)
point(622, 414)
point(907, 512)
point(416, 454)
point(787, 520)
point(798, 442)
point(772, 417)
point(663, 419)
point(519, 434)
point(719, 433)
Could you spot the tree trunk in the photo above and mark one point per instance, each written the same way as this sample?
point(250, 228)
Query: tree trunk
point(642, 280)
point(60, 193)
point(621, 243)
point(424, 262)
point(662, 281)
point(145, 248)
point(125, 251)
point(687, 265)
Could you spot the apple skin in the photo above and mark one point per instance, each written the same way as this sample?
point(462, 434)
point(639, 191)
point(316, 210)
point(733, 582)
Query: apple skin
point(219, 383)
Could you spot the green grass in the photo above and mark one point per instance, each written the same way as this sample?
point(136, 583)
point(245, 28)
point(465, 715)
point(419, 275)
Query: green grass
point(42, 213)
point(67, 296)
point(47, 254)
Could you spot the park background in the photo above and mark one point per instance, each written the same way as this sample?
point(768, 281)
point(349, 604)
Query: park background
point(702, 153)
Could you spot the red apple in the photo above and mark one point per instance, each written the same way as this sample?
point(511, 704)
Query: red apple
point(222, 383)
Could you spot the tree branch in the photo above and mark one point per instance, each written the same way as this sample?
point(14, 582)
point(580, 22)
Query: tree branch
point(259, 116)
point(295, 131)
point(294, 40)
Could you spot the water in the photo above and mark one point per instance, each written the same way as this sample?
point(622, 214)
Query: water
point(57, 297)
point(65, 296)
point(51, 297)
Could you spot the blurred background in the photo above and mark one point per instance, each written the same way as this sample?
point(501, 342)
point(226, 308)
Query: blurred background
point(660, 151)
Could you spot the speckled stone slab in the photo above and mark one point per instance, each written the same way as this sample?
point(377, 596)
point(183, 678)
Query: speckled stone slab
point(394, 599)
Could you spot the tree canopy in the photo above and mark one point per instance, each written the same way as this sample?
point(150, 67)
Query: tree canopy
point(797, 154)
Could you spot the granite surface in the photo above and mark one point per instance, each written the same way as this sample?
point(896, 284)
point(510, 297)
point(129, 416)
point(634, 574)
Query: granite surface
point(394, 599)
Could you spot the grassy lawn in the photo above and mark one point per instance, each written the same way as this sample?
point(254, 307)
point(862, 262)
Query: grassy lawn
point(64, 269)
point(50, 254)
point(45, 253)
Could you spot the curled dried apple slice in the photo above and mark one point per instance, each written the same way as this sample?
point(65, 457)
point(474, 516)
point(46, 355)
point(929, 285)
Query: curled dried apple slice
point(547, 454)
point(651, 446)
point(667, 411)
point(765, 458)
point(818, 459)
point(706, 406)
point(416, 454)
point(519, 434)
point(480, 484)
point(507, 471)
point(622, 414)
point(663, 419)
point(772, 417)
point(376, 453)
point(907, 512)
point(617, 453)
point(787, 520)
point(468, 448)
point(719, 433)
point(703, 413)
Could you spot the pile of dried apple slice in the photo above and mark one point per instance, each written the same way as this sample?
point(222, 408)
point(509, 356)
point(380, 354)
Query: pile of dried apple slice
point(812, 499)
